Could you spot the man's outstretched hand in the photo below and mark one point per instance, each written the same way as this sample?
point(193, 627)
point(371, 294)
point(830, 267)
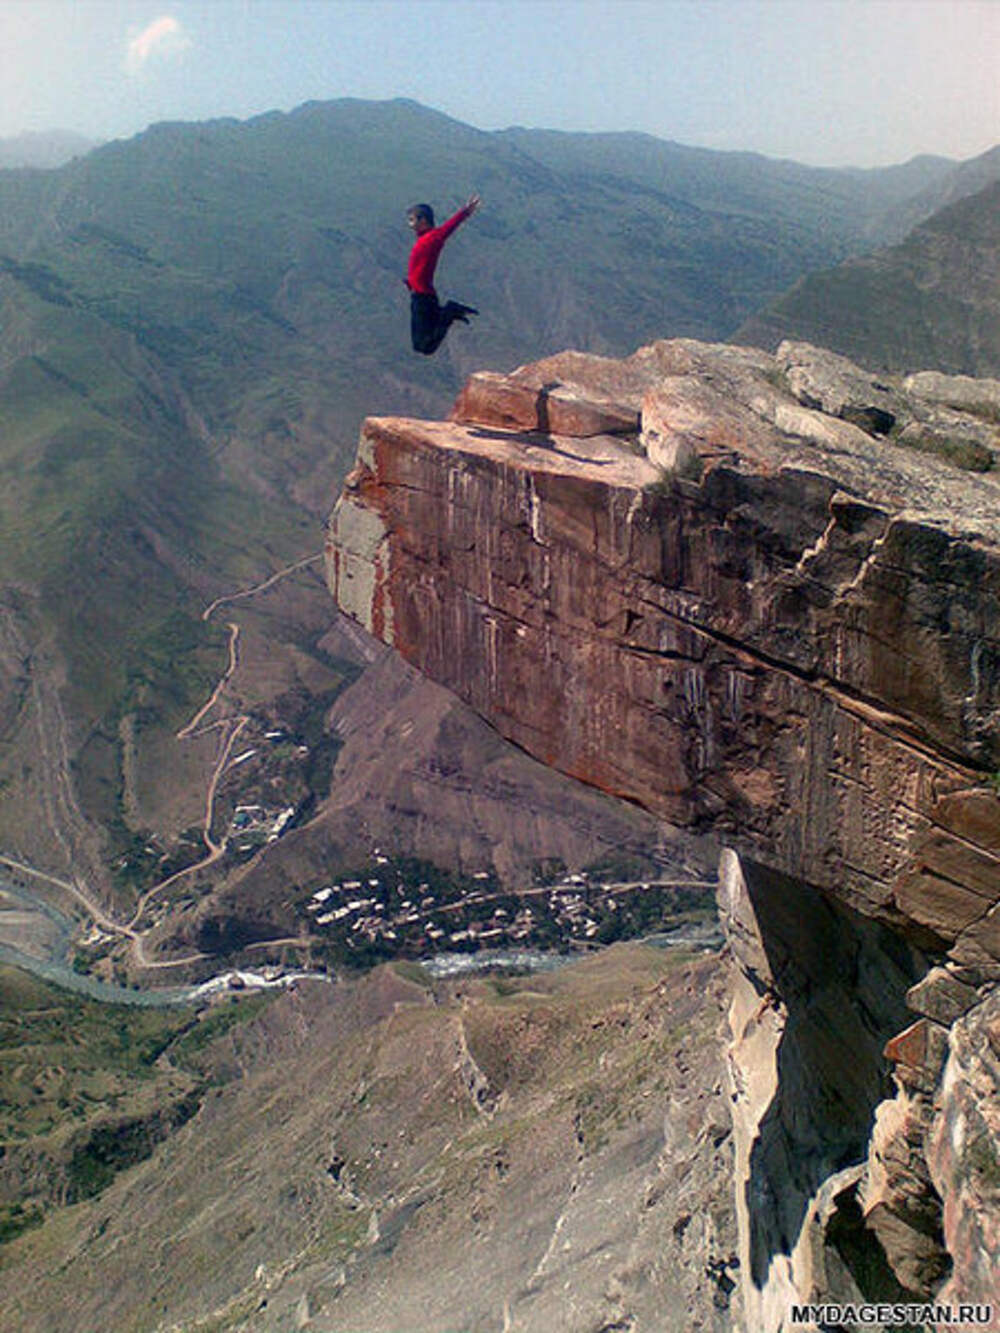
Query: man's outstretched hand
point(473, 204)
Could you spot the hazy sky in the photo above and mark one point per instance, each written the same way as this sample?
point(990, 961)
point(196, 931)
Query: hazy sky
point(830, 82)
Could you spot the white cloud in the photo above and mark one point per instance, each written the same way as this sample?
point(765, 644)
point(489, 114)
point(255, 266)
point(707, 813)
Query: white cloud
point(163, 37)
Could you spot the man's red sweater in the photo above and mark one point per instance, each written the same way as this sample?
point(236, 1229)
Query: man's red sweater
point(424, 255)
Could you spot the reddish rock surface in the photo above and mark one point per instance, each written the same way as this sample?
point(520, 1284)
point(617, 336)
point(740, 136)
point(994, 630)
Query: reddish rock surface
point(800, 651)
point(964, 1155)
point(525, 401)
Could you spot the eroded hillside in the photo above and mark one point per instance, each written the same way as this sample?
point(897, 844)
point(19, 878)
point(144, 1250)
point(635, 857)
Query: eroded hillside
point(524, 1153)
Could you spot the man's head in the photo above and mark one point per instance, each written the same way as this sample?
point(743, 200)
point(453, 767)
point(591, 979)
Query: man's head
point(420, 218)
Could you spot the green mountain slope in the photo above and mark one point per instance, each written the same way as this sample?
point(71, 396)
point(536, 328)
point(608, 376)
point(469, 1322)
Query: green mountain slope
point(292, 224)
point(940, 190)
point(931, 302)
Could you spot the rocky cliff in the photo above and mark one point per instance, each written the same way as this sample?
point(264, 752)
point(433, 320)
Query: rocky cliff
point(757, 595)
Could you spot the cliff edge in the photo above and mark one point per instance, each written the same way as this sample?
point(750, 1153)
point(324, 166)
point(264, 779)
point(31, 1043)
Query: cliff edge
point(760, 596)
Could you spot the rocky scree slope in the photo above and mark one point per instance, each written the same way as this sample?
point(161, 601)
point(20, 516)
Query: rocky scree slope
point(387, 1153)
point(756, 594)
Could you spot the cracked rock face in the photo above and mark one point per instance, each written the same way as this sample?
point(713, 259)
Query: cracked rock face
point(964, 1152)
point(800, 650)
point(770, 611)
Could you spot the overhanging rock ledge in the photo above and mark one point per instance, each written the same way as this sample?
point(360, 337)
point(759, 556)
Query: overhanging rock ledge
point(759, 595)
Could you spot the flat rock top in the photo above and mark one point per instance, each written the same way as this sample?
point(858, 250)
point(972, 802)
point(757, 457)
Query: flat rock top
point(926, 448)
point(602, 458)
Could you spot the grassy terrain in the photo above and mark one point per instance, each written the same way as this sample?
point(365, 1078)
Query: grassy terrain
point(87, 1089)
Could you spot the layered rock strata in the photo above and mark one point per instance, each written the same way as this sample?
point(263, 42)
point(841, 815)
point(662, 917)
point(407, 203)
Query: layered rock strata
point(759, 596)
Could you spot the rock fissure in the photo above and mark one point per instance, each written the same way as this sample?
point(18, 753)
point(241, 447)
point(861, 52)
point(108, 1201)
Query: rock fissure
point(905, 730)
point(664, 654)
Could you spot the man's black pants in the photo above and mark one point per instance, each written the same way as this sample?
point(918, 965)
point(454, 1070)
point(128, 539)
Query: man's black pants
point(430, 321)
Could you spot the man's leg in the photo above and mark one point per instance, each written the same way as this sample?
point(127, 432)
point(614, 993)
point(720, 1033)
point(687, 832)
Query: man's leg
point(428, 323)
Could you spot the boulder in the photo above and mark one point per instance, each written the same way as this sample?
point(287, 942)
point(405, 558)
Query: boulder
point(521, 402)
point(834, 385)
point(816, 427)
point(917, 1054)
point(979, 396)
point(942, 996)
point(685, 423)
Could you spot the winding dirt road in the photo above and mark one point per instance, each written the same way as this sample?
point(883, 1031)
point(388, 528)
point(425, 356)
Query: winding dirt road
point(261, 587)
point(234, 725)
point(188, 730)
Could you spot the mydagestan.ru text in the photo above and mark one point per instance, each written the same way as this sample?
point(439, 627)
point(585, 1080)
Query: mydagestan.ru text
point(892, 1316)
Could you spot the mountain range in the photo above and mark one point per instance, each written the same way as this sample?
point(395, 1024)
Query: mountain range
point(931, 301)
point(194, 323)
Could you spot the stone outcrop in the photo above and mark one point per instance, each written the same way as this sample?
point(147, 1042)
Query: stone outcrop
point(759, 596)
point(961, 392)
point(964, 1152)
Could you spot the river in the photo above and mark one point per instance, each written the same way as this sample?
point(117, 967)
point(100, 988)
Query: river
point(45, 937)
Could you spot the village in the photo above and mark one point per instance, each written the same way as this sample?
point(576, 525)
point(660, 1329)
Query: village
point(403, 908)
point(393, 906)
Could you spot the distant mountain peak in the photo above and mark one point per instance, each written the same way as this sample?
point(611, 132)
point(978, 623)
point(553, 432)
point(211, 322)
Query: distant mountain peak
point(43, 148)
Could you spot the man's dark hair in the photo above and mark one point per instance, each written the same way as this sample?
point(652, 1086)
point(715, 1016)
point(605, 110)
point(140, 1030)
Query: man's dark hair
point(422, 211)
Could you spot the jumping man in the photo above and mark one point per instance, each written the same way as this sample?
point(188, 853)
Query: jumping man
point(429, 320)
